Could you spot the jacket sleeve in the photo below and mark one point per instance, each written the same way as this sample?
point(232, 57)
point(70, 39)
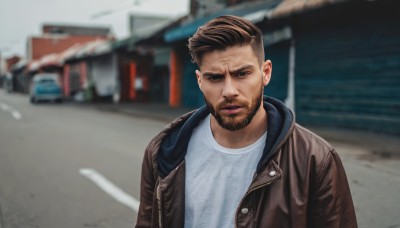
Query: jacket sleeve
point(332, 204)
point(147, 186)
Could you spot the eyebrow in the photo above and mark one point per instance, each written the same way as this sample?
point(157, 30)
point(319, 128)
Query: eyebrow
point(211, 74)
point(241, 69)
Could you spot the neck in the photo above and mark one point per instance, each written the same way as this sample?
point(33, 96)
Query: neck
point(243, 137)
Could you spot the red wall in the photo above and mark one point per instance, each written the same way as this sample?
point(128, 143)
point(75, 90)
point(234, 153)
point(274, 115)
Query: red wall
point(41, 46)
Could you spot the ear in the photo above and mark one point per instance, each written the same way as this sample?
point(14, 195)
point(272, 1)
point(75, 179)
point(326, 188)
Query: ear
point(266, 71)
point(198, 76)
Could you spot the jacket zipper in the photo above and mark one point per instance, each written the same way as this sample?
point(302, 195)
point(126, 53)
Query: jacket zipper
point(160, 223)
point(248, 193)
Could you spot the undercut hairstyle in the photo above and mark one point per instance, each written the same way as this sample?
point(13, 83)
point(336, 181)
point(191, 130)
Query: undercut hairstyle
point(223, 32)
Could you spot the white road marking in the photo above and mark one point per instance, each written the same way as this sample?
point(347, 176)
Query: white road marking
point(110, 188)
point(5, 107)
point(16, 114)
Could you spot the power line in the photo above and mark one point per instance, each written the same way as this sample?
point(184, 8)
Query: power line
point(121, 7)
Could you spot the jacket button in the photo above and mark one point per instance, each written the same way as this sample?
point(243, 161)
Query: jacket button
point(244, 210)
point(272, 173)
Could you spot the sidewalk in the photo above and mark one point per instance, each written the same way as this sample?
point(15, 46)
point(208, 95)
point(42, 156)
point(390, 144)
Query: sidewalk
point(380, 144)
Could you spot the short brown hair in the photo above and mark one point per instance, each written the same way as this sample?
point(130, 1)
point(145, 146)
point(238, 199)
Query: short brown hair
point(223, 32)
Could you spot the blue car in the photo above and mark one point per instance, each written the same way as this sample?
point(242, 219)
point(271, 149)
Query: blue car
point(46, 87)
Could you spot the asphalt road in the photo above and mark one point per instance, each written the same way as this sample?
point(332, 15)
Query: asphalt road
point(63, 165)
point(42, 155)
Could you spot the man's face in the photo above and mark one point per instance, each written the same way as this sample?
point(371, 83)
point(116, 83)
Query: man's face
point(232, 83)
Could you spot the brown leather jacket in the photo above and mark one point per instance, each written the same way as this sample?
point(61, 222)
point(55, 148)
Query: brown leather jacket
point(300, 180)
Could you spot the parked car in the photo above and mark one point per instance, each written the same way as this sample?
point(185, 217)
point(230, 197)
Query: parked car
point(46, 86)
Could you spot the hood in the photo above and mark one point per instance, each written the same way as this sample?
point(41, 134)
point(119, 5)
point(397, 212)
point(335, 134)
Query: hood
point(173, 147)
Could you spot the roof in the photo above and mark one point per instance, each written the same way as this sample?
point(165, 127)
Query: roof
point(47, 60)
point(290, 7)
point(19, 65)
point(34, 65)
point(70, 52)
point(76, 29)
point(157, 37)
point(89, 49)
point(77, 51)
point(127, 43)
point(253, 11)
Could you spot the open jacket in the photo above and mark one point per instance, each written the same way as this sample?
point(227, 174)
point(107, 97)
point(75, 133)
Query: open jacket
point(300, 180)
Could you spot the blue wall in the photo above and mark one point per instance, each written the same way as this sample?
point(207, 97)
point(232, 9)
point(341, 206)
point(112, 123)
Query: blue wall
point(191, 94)
point(279, 56)
point(348, 70)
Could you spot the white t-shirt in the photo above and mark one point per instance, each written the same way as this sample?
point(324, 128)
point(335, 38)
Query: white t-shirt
point(216, 178)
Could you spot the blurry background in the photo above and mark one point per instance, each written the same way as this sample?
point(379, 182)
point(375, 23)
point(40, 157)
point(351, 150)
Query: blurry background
point(123, 71)
point(23, 19)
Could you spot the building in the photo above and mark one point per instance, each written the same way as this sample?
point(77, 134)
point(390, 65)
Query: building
point(335, 62)
point(58, 38)
point(91, 71)
point(45, 53)
point(143, 72)
point(345, 62)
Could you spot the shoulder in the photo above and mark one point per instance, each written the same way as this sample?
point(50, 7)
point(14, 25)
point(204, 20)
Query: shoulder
point(167, 132)
point(312, 149)
point(308, 139)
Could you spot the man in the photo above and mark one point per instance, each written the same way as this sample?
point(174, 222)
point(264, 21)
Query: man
point(241, 160)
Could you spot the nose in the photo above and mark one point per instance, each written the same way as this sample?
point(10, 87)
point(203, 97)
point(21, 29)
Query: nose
point(229, 90)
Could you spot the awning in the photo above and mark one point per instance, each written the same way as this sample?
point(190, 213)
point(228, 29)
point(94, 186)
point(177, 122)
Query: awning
point(19, 65)
point(45, 61)
point(254, 12)
point(126, 43)
point(276, 36)
point(69, 53)
point(50, 60)
point(290, 7)
point(86, 50)
point(33, 65)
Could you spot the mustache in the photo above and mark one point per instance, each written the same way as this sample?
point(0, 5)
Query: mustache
point(230, 102)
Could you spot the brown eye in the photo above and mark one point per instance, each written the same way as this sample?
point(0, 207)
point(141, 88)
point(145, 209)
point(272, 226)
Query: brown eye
point(243, 73)
point(214, 78)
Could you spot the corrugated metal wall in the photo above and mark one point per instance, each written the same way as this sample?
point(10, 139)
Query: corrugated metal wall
point(279, 56)
point(348, 71)
point(191, 94)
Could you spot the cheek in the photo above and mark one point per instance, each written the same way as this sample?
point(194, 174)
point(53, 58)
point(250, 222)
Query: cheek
point(252, 89)
point(211, 99)
point(211, 95)
point(209, 91)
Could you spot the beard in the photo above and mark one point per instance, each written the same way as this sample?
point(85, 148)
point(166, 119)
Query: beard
point(231, 122)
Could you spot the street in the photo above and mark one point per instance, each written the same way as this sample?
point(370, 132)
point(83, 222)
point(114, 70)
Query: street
point(65, 166)
point(43, 153)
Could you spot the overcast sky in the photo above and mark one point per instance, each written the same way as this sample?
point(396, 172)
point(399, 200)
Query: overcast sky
point(20, 19)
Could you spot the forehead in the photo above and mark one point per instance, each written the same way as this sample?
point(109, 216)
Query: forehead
point(231, 57)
